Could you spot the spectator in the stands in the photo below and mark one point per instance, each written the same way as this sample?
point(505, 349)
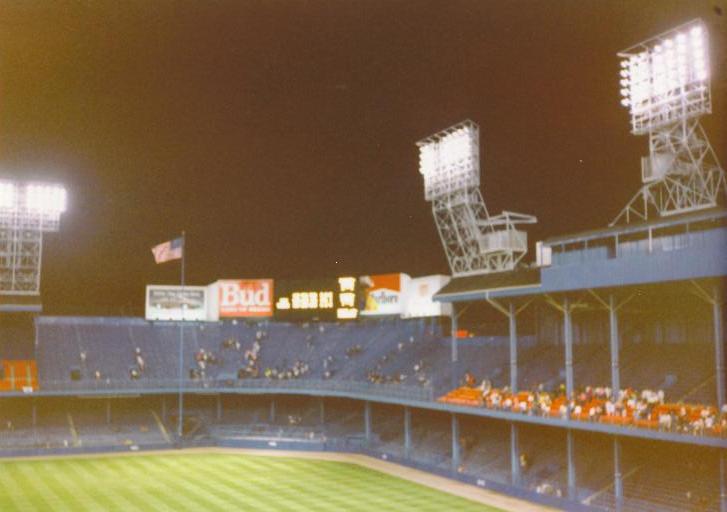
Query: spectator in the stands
point(469, 379)
point(610, 408)
point(524, 462)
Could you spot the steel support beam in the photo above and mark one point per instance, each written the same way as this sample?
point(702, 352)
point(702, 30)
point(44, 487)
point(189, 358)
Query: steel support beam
point(407, 432)
point(723, 481)
point(570, 441)
point(367, 421)
point(719, 347)
point(514, 454)
point(453, 341)
point(456, 457)
point(568, 335)
point(615, 346)
point(617, 473)
point(512, 317)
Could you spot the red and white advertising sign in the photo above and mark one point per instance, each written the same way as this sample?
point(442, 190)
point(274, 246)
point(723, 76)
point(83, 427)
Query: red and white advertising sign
point(245, 298)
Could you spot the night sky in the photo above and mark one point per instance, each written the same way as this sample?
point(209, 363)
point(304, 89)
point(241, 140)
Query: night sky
point(280, 134)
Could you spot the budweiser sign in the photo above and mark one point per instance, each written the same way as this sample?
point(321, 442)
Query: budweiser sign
point(245, 298)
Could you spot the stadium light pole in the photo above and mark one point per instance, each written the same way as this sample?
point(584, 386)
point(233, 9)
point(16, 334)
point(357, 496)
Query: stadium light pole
point(665, 84)
point(473, 241)
point(27, 211)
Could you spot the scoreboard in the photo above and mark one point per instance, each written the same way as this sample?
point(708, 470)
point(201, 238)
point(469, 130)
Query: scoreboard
point(317, 299)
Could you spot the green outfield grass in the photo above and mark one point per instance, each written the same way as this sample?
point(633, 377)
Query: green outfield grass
point(206, 482)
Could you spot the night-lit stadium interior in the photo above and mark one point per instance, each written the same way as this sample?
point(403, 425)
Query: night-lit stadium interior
point(574, 369)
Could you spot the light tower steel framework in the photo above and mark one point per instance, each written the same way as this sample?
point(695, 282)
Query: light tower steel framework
point(26, 213)
point(666, 86)
point(474, 241)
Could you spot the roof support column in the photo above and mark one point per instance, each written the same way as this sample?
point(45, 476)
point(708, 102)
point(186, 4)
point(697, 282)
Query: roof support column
point(511, 312)
point(568, 335)
point(723, 481)
point(570, 441)
point(716, 299)
point(512, 317)
point(618, 485)
point(514, 454)
point(455, 375)
point(567, 309)
point(455, 443)
point(719, 346)
point(615, 346)
point(407, 432)
point(367, 421)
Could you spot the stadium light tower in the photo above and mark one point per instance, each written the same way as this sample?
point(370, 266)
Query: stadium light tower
point(665, 84)
point(26, 212)
point(474, 242)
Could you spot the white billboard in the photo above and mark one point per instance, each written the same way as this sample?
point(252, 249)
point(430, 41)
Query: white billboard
point(167, 302)
point(418, 297)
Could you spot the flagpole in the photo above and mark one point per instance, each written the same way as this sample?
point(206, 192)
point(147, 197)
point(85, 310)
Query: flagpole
point(181, 343)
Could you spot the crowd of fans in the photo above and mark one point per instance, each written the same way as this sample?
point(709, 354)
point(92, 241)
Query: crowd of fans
point(646, 408)
point(377, 375)
point(298, 370)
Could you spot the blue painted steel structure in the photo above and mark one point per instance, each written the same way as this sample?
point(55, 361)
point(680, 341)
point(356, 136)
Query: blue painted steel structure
point(687, 251)
point(679, 249)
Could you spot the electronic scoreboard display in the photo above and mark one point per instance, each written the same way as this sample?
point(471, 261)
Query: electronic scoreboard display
point(317, 299)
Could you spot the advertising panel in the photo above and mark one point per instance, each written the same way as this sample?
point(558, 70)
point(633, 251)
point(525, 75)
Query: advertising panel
point(383, 294)
point(166, 302)
point(316, 299)
point(419, 293)
point(246, 298)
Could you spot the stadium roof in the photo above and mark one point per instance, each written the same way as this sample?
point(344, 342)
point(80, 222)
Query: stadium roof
point(663, 222)
point(477, 286)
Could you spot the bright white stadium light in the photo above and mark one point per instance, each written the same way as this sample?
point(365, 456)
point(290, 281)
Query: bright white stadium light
point(455, 147)
point(48, 199)
point(428, 158)
point(666, 78)
point(8, 195)
point(27, 212)
point(665, 83)
point(450, 159)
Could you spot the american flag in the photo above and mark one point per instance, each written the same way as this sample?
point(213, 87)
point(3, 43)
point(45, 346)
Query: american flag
point(168, 251)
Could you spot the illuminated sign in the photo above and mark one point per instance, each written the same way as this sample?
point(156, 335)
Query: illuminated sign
point(346, 309)
point(322, 299)
point(245, 298)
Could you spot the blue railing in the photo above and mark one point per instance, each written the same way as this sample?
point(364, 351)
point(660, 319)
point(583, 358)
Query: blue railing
point(271, 386)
